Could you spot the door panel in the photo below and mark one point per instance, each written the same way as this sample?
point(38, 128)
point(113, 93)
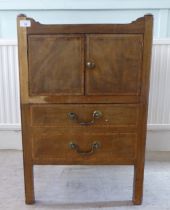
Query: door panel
point(116, 62)
point(56, 64)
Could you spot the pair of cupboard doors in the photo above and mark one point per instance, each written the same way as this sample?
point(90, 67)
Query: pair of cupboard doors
point(85, 64)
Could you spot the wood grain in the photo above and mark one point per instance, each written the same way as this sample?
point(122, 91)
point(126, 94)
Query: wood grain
point(27, 157)
point(139, 165)
point(136, 27)
point(117, 66)
point(116, 115)
point(69, 99)
point(51, 145)
point(23, 62)
point(25, 114)
point(59, 65)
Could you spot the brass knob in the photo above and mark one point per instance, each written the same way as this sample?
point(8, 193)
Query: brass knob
point(97, 114)
point(90, 65)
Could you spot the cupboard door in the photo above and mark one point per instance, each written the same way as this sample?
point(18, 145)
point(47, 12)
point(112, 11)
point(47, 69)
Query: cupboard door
point(56, 64)
point(113, 64)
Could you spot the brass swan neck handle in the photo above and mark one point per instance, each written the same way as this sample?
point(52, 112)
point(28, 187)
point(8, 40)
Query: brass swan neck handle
point(95, 145)
point(74, 117)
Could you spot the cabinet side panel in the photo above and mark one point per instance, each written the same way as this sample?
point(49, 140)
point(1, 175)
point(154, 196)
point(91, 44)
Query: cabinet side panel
point(23, 62)
point(139, 165)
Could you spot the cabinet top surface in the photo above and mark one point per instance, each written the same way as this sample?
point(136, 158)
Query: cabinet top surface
point(34, 27)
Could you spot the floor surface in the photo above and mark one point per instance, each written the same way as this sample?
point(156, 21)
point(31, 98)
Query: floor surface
point(84, 187)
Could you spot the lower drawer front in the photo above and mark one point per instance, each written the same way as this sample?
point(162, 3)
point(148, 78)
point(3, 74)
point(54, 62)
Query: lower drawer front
point(84, 148)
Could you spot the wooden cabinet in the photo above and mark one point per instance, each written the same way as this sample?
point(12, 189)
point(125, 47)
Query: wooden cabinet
point(84, 95)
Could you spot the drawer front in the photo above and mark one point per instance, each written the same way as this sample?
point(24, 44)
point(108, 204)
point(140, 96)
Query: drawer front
point(120, 115)
point(83, 148)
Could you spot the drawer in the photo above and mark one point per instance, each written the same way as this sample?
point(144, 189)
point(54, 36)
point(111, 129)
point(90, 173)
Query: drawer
point(83, 148)
point(119, 115)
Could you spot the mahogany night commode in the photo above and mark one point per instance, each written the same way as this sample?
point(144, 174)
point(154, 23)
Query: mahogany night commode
point(84, 95)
